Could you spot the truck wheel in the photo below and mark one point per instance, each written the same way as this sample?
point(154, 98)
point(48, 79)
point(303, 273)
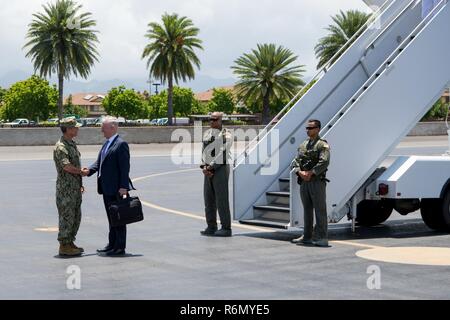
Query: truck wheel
point(446, 209)
point(372, 212)
point(433, 212)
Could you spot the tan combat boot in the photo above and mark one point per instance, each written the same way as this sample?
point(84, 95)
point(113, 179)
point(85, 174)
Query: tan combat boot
point(73, 245)
point(67, 250)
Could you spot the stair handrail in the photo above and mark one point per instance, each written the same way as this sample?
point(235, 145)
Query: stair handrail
point(372, 44)
point(326, 128)
point(323, 69)
point(391, 58)
point(382, 67)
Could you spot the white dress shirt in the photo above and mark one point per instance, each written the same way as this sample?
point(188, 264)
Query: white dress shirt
point(103, 153)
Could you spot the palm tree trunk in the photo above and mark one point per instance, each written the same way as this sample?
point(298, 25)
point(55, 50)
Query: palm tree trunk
point(266, 108)
point(60, 97)
point(170, 100)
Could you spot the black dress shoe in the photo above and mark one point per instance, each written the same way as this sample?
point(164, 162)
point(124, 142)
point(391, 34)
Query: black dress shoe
point(105, 249)
point(208, 231)
point(115, 253)
point(223, 233)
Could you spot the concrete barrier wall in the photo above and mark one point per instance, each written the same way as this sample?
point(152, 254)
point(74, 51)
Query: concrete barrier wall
point(429, 129)
point(93, 135)
point(144, 135)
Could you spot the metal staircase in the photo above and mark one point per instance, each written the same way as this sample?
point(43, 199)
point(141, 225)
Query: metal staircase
point(276, 213)
point(345, 97)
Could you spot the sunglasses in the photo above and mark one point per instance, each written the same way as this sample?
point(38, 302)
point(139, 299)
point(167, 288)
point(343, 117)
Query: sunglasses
point(213, 119)
point(311, 128)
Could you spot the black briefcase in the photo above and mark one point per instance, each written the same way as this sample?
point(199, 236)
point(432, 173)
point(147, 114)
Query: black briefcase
point(125, 211)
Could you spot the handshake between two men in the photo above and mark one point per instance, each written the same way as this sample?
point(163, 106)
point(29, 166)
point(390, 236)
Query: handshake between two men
point(85, 172)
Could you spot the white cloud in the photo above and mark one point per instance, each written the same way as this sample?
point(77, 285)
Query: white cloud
point(228, 29)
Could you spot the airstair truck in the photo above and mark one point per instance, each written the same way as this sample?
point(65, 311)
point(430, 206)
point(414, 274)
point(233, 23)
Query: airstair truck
point(370, 95)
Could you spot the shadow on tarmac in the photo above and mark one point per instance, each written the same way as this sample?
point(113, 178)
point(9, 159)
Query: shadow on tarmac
point(74, 257)
point(413, 228)
point(127, 255)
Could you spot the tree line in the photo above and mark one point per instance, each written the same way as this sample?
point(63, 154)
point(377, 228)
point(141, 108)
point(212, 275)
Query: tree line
point(36, 99)
point(62, 41)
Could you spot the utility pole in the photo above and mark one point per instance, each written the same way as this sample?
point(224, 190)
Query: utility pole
point(150, 82)
point(156, 87)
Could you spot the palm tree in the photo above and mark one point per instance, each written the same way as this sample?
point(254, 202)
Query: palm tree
point(62, 42)
point(345, 26)
point(266, 74)
point(171, 53)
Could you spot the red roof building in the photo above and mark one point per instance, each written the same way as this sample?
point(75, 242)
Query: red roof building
point(92, 102)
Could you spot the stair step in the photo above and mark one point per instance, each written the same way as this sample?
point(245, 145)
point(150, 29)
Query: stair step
point(279, 194)
point(272, 208)
point(266, 223)
point(284, 184)
point(278, 198)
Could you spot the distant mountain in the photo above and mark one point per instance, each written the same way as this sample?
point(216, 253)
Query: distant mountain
point(201, 83)
point(11, 77)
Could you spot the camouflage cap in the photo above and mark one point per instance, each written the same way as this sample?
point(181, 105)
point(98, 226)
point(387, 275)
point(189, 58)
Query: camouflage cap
point(70, 122)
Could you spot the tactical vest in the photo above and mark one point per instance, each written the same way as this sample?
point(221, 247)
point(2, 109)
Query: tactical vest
point(308, 157)
point(212, 154)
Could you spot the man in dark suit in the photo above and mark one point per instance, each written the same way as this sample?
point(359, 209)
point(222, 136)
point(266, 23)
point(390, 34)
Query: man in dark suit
point(112, 168)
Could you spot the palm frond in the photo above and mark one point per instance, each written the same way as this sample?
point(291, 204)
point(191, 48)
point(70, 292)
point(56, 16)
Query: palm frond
point(345, 26)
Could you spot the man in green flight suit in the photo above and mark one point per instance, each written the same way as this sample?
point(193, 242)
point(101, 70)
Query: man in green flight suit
point(68, 187)
point(215, 166)
point(311, 165)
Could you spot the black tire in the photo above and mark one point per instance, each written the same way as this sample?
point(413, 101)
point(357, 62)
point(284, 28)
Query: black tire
point(432, 211)
point(446, 209)
point(372, 212)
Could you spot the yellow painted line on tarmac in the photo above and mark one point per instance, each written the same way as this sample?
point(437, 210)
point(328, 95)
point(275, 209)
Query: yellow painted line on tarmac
point(429, 256)
point(164, 174)
point(199, 217)
point(180, 213)
point(187, 214)
point(356, 244)
point(195, 216)
point(47, 229)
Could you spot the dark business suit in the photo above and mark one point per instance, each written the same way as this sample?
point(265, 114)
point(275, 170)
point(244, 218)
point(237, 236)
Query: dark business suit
point(113, 174)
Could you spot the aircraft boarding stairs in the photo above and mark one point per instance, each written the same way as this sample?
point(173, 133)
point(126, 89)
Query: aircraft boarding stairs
point(367, 100)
